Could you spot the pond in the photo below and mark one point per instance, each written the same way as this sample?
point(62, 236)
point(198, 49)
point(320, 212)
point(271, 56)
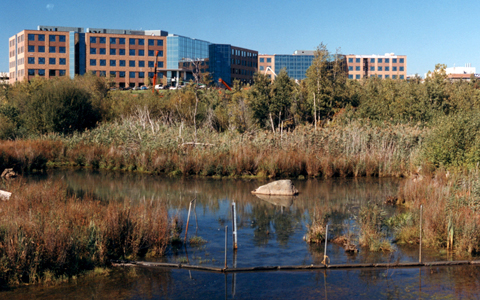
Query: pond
point(270, 233)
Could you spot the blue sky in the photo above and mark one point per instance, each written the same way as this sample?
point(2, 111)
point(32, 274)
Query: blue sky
point(427, 31)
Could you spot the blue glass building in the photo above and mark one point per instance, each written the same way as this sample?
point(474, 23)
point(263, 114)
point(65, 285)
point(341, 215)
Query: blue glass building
point(296, 65)
point(219, 60)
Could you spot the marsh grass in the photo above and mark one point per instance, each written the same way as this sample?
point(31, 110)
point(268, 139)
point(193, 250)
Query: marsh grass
point(372, 225)
point(47, 234)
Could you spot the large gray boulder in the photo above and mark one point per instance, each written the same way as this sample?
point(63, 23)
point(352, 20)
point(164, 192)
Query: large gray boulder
point(279, 187)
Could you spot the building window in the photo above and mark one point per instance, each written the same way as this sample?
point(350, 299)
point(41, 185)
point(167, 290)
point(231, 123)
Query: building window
point(31, 48)
point(269, 60)
point(52, 61)
point(372, 60)
point(113, 63)
point(41, 60)
point(131, 52)
point(387, 69)
point(121, 41)
point(402, 60)
point(51, 49)
point(350, 76)
point(62, 61)
point(94, 72)
point(387, 76)
point(31, 37)
point(357, 68)
point(103, 51)
point(151, 52)
point(113, 74)
point(103, 73)
point(380, 60)
point(113, 40)
point(402, 69)
point(160, 53)
point(159, 42)
point(357, 60)
point(113, 51)
point(121, 74)
point(41, 37)
point(93, 50)
point(131, 41)
point(31, 60)
point(151, 42)
point(387, 60)
point(357, 76)
point(62, 38)
point(103, 40)
point(262, 59)
point(379, 68)
point(131, 74)
point(52, 38)
point(41, 72)
point(93, 62)
point(93, 40)
point(141, 74)
point(372, 68)
point(62, 50)
point(350, 60)
point(394, 76)
point(31, 72)
point(121, 63)
point(141, 52)
point(394, 69)
point(379, 76)
point(62, 72)
point(141, 42)
point(261, 68)
point(150, 74)
point(394, 60)
point(51, 73)
point(151, 64)
point(121, 51)
point(350, 68)
point(103, 62)
point(141, 64)
point(41, 49)
point(160, 64)
point(131, 63)
point(402, 77)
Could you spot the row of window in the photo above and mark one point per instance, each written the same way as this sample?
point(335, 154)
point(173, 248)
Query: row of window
point(242, 72)
point(131, 52)
point(41, 72)
point(121, 41)
point(379, 76)
point(51, 38)
point(51, 49)
point(380, 68)
point(262, 59)
point(379, 60)
point(122, 74)
point(123, 63)
point(243, 53)
point(243, 63)
point(51, 60)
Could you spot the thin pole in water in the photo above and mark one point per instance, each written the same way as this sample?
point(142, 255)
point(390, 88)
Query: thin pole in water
point(234, 226)
point(325, 257)
point(226, 242)
point(420, 248)
point(188, 220)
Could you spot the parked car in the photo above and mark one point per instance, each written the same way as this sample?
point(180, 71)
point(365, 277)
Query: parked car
point(159, 87)
point(143, 88)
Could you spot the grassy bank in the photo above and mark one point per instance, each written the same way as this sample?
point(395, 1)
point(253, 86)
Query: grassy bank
point(354, 149)
point(47, 234)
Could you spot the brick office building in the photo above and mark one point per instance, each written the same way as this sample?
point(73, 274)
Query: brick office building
point(382, 66)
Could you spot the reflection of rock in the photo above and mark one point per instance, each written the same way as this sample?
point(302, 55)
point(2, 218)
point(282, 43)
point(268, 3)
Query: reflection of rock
point(279, 187)
point(8, 173)
point(285, 201)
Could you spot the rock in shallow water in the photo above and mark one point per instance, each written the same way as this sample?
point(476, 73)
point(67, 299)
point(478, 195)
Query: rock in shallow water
point(279, 187)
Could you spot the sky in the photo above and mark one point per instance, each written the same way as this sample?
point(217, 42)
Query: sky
point(427, 31)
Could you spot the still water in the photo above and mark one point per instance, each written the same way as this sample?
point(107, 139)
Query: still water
point(270, 233)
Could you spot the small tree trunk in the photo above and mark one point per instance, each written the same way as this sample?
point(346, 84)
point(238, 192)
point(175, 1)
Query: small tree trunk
point(315, 110)
point(271, 122)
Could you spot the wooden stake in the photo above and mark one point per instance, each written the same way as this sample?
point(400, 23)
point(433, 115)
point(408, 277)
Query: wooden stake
point(420, 250)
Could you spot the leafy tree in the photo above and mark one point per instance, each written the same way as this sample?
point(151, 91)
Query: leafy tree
point(281, 103)
point(260, 99)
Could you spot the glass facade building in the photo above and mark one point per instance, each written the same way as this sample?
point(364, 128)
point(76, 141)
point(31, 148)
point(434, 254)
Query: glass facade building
point(296, 65)
point(219, 60)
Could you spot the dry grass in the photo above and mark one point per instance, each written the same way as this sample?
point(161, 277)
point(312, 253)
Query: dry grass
point(46, 233)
